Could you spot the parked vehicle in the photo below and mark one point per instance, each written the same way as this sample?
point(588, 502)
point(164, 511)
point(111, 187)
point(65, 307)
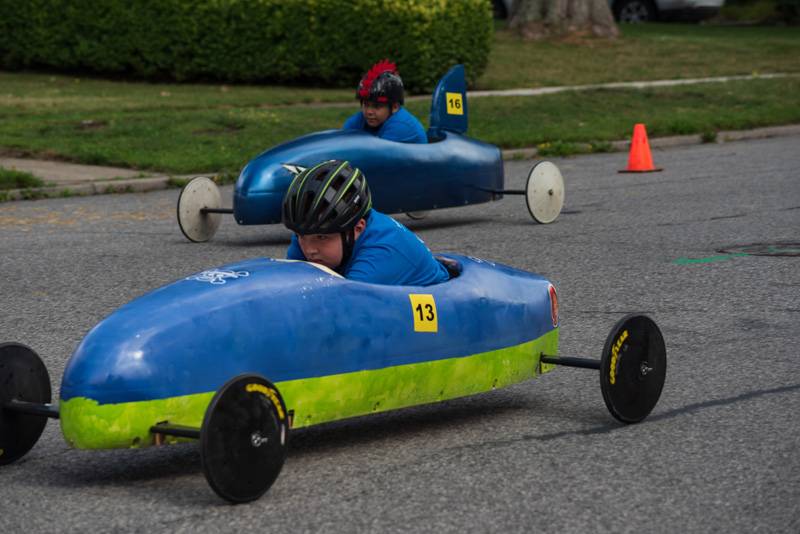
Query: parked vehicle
point(664, 10)
point(642, 10)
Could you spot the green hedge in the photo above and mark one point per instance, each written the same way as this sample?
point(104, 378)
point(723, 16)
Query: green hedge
point(762, 11)
point(318, 42)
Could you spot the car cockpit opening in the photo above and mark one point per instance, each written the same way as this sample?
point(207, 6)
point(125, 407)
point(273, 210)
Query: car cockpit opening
point(453, 267)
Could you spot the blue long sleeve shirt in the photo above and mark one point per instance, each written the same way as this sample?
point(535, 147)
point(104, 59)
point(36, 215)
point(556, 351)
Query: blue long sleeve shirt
point(387, 253)
point(401, 126)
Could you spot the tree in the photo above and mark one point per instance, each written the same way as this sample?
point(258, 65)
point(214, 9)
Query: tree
point(537, 19)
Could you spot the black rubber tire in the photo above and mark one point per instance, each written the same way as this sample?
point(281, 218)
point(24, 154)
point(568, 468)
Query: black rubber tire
point(244, 438)
point(23, 376)
point(499, 10)
point(633, 368)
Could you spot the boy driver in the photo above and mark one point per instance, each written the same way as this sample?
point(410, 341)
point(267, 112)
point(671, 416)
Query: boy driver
point(382, 113)
point(329, 208)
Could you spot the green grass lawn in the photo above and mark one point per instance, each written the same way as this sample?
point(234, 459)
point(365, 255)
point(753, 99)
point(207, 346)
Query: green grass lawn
point(604, 115)
point(644, 52)
point(186, 128)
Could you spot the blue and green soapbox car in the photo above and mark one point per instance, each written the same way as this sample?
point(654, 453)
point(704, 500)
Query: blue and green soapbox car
point(450, 170)
point(239, 356)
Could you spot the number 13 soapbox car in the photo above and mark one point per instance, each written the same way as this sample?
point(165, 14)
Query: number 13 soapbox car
point(450, 170)
point(237, 357)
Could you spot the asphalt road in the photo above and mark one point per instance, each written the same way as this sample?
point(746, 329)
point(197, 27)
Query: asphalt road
point(719, 452)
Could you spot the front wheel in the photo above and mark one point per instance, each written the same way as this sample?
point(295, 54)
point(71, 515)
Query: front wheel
point(633, 368)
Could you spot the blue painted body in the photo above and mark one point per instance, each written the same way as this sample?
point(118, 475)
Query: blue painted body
point(402, 177)
point(451, 170)
point(290, 320)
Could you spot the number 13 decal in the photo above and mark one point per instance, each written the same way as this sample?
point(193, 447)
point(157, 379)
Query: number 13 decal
point(423, 308)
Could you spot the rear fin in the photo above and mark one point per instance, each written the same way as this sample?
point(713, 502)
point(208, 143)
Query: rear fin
point(449, 104)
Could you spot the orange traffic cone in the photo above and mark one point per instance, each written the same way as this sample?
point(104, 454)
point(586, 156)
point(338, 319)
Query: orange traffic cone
point(639, 159)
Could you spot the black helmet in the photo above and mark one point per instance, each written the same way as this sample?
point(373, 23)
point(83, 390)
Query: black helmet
point(330, 197)
point(381, 84)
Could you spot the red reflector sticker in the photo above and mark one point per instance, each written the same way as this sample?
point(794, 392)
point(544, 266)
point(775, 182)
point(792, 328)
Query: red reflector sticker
point(553, 305)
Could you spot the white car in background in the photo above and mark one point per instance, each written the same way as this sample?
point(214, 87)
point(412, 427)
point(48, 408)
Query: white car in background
point(651, 10)
point(643, 10)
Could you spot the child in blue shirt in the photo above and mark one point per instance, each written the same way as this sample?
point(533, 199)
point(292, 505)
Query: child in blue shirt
point(329, 208)
point(382, 113)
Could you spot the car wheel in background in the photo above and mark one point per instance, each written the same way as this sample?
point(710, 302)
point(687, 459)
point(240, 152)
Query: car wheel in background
point(416, 215)
point(499, 10)
point(635, 11)
point(197, 225)
point(544, 192)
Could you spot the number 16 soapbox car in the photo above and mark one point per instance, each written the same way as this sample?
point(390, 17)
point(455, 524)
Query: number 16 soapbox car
point(237, 357)
point(450, 170)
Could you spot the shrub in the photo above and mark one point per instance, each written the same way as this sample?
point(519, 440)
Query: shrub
point(762, 11)
point(14, 179)
point(789, 11)
point(318, 42)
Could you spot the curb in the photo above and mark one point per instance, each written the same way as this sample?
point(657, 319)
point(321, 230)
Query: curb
point(102, 187)
point(154, 183)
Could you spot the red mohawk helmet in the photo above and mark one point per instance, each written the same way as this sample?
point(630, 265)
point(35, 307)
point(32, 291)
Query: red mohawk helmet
point(381, 84)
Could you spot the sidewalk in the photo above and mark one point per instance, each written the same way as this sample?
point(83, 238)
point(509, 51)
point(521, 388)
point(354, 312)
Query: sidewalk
point(70, 179)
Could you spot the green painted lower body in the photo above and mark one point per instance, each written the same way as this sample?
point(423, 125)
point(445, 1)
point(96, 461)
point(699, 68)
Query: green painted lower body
point(89, 425)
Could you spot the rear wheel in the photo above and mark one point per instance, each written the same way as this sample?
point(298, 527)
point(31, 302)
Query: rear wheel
point(23, 377)
point(244, 438)
point(196, 225)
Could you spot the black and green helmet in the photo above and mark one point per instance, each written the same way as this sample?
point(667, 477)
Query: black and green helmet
point(330, 197)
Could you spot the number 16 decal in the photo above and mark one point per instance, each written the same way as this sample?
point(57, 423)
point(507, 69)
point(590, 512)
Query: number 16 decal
point(423, 308)
point(455, 104)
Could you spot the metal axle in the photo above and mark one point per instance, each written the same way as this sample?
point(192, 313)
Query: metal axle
point(32, 408)
point(512, 191)
point(505, 191)
point(584, 363)
point(179, 431)
point(216, 210)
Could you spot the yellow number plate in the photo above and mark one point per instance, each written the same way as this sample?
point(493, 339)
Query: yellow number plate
point(455, 104)
point(423, 308)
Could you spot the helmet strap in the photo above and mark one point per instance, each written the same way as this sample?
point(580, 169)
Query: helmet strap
point(348, 242)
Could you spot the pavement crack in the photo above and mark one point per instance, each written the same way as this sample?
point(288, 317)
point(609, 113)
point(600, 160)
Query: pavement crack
point(728, 217)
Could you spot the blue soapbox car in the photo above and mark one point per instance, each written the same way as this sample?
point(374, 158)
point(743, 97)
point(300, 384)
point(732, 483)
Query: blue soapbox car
point(451, 170)
point(238, 356)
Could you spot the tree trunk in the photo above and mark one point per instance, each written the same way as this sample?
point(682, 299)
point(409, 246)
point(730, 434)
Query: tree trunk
point(538, 19)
